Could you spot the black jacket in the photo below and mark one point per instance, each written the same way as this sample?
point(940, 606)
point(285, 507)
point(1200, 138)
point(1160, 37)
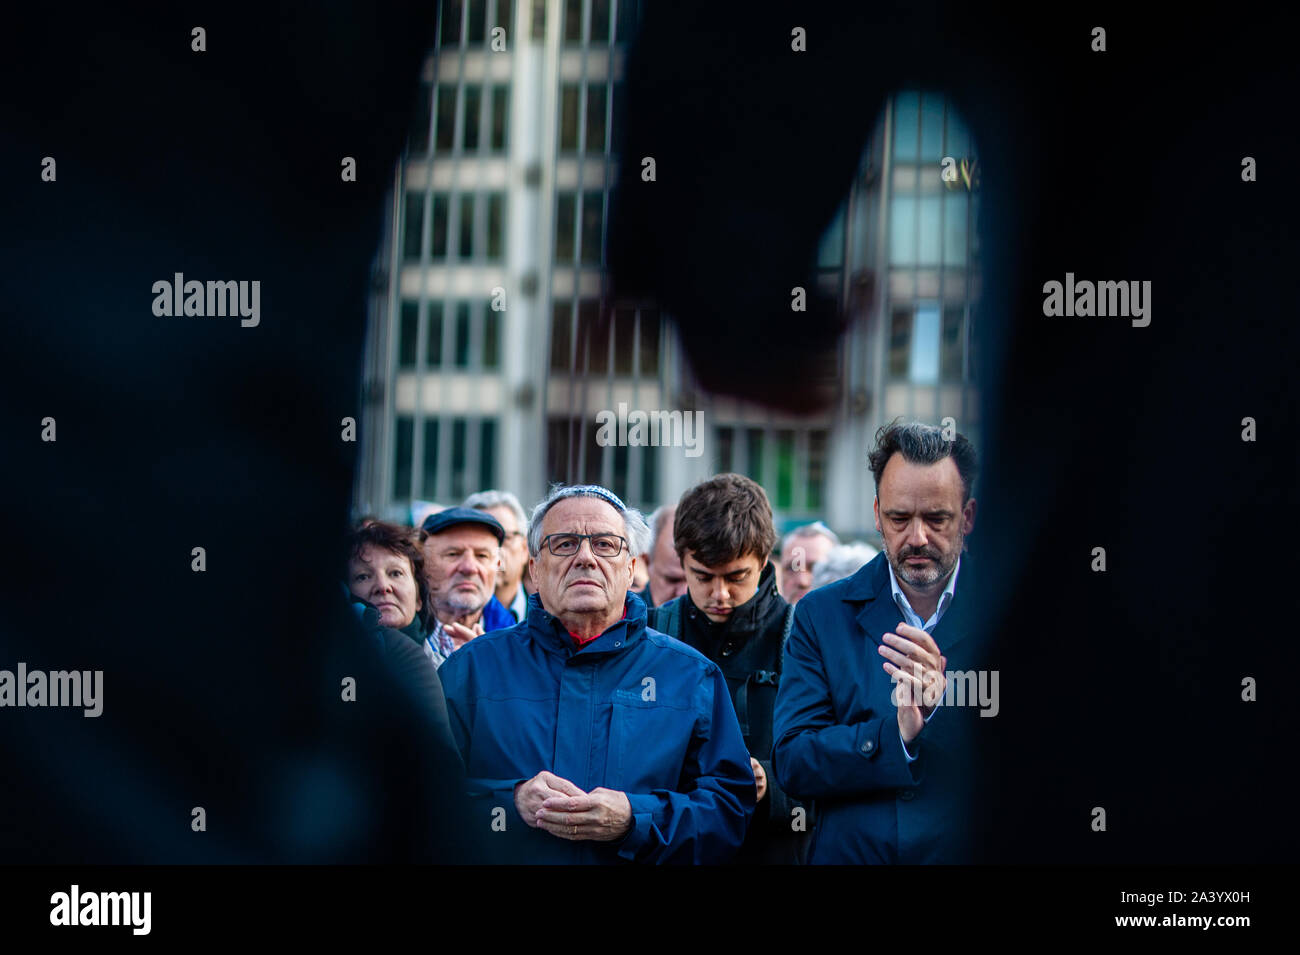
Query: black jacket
point(403, 654)
point(748, 648)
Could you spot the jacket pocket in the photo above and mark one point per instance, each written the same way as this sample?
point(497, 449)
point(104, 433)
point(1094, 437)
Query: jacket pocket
point(648, 742)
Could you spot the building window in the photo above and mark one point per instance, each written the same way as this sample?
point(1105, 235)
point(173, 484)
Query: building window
point(902, 230)
point(754, 454)
point(914, 233)
point(413, 228)
point(496, 205)
point(569, 118)
point(539, 19)
point(445, 131)
point(466, 247)
point(459, 436)
point(592, 218)
point(492, 339)
point(626, 22)
point(915, 343)
point(928, 234)
point(830, 253)
point(797, 464)
point(595, 118)
point(473, 107)
point(461, 344)
point(818, 443)
point(955, 207)
point(924, 365)
point(907, 119)
point(566, 440)
point(931, 127)
point(900, 337)
point(649, 477)
point(919, 127)
point(615, 116)
point(438, 238)
point(487, 453)
point(561, 336)
point(429, 480)
point(408, 334)
point(451, 10)
point(621, 457)
point(785, 465)
point(557, 451)
point(500, 117)
point(505, 17)
point(572, 21)
point(403, 446)
point(599, 22)
point(477, 21)
point(434, 349)
point(951, 346)
point(724, 439)
point(565, 224)
point(593, 337)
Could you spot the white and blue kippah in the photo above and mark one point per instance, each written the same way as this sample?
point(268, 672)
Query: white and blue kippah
point(595, 490)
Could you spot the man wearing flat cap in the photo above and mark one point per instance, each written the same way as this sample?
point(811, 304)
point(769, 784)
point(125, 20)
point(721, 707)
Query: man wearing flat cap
point(462, 553)
point(588, 736)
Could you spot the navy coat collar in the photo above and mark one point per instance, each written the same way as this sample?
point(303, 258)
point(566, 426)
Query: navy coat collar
point(879, 614)
point(554, 637)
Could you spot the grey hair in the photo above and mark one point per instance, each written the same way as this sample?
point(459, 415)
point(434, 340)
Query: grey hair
point(815, 529)
point(842, 561)
point(657, 521)
point(636, 530)
point(486, 499)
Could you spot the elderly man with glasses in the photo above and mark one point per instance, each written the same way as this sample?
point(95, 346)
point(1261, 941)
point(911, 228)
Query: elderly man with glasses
point(588, 737)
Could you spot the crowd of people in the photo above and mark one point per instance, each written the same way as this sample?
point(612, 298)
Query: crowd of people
point(687, 688)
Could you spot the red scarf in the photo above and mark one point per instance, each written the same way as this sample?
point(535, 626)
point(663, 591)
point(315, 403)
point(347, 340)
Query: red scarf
point(581, 642)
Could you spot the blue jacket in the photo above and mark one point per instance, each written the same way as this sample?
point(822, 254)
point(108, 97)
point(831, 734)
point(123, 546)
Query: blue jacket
point(836, 728)
point(496, 616)
point(633, 710)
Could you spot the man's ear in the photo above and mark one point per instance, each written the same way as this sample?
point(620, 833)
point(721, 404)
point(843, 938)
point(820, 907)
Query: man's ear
point(875, 509)
point(968, 516)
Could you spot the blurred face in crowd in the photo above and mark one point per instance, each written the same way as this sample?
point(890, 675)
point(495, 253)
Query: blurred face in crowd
point(584, 584)
point(798, 561)
point(461, 564)
point(667, 579)
point(920, 516)
point(719, 590)
point(514, 553)
point(385, 580)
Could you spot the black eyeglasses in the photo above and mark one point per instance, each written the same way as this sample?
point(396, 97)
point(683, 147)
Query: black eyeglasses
point(566, 545)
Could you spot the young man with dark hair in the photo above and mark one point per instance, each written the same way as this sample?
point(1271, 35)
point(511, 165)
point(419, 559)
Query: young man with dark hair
point(734, 615)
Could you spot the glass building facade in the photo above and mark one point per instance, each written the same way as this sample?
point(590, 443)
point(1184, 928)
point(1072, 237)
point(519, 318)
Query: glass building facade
point(493, 344)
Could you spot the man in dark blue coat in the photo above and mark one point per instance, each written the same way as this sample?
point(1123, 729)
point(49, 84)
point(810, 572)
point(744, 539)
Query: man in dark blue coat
point(878, 713)
point(587, 737)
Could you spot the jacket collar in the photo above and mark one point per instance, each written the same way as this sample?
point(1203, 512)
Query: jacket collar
point(880, 615)
point(414, 630)
point(870, 586)
point(554, 637)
